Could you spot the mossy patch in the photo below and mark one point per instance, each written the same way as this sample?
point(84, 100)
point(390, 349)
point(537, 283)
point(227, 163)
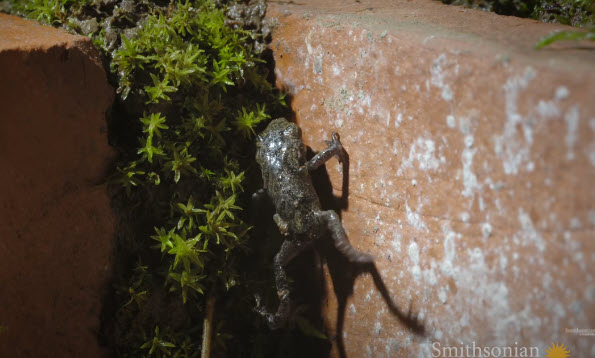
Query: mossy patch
point(569, 12)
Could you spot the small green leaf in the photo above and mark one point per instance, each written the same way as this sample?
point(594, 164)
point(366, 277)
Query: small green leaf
point(566, 35)
point(308, 329)
point(153, 123)
point(164, 239)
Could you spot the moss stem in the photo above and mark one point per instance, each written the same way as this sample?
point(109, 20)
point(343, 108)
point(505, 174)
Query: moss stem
point(207, 328)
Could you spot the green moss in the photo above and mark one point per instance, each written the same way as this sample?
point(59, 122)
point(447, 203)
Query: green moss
point(568, 12)
point(580, 13)
point(50, 12)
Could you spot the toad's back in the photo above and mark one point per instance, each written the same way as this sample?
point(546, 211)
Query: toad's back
point(281, 154)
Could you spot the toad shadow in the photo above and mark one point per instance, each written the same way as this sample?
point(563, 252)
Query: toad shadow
point(343, 272)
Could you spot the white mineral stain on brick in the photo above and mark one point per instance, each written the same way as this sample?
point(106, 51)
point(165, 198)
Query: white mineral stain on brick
point(470, 184)
point(413, 251)
point(465, 217)
point(395, 148)
point(446, 266)
point(590, 293)
point(528, 233)
point(398, 120)
point(423, 151)
point(503, 262)
point(486, 230)
point(396, 242)
point(377, 328)
point(442, 295)
point(548, 109)
point(572, 119)
point(591, 216)
point(590, 148)
point(451, 121)
point(476, 276)
point(414, 219)
point(562, 93)
point(438, 76)
point(317, 68)
point(430, 277)
point(513, 148)
point(336, 70)
point(575, 223)
point(368, 297)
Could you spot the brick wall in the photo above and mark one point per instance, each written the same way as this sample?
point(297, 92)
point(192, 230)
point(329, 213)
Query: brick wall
point(471, 175)
point(56, 226)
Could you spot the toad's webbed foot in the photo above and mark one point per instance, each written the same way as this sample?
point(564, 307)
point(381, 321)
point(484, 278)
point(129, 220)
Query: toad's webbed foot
point(337, 232)
point(277, 320)
point(288, 251)
point(334, 148)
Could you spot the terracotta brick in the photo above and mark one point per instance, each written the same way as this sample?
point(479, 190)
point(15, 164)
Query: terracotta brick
point(472, 170)
point(56, 224)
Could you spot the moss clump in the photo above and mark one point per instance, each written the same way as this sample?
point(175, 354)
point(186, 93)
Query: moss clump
point(568, 12)
point(193, 88)
point(578, 13)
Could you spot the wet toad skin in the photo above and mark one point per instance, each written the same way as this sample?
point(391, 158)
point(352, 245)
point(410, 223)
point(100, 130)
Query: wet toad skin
point(281, 155)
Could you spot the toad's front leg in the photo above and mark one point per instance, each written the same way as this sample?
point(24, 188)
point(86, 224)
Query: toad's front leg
point(334, 148)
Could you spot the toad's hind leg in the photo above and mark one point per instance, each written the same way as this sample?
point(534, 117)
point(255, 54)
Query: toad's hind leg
point(288, 251)
point(337, 232)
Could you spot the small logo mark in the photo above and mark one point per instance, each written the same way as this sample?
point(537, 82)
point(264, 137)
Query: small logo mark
point(557, 351)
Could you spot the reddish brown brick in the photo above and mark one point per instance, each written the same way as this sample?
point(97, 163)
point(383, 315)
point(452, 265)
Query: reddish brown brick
point(56, 225)
point(472, 169)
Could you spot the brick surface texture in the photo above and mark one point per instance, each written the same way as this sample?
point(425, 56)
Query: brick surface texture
point(472, 172)
point(56, 226)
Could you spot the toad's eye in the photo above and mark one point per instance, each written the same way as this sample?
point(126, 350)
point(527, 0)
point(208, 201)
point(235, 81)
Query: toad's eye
point(287, 132)
point(291, 130)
